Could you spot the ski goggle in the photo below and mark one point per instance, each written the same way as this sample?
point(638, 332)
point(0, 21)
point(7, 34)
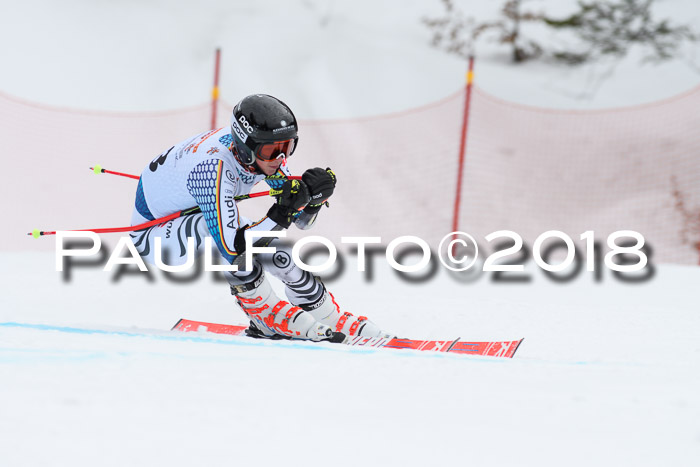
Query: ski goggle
point(272, 151)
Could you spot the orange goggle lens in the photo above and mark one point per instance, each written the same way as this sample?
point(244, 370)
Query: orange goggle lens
point(271, 151)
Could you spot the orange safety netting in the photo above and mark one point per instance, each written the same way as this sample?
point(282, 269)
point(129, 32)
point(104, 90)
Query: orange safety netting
point(527, 169)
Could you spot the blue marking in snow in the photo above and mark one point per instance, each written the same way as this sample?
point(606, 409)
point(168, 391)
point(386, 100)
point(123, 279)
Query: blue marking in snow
point(178, 336)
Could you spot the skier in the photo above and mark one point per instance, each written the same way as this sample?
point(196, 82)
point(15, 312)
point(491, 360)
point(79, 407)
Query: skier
point(212, 168)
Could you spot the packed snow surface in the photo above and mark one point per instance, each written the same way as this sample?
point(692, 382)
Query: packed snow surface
point(91, 374)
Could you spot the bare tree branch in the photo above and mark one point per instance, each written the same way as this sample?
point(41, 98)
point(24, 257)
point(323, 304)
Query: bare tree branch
point(603, 28)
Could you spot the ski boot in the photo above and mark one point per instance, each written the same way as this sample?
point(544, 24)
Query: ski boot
point(327, 311)
point(271, 317)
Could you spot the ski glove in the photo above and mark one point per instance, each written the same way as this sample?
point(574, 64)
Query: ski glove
point(321, 184)
point(294, 198)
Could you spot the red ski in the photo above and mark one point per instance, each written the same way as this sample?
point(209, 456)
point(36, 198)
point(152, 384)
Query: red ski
point(492, 349)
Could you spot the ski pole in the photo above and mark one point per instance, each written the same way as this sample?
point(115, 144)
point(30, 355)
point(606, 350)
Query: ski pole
point(36, 233)
point(99, 170)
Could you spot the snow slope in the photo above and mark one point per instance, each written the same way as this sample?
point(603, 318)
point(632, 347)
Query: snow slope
point(607, 375)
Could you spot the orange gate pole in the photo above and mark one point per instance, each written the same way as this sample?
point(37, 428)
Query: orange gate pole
point(463, 144)
point(215, 90)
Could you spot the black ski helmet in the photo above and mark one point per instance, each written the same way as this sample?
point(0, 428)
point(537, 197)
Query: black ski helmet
point(257, 121)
